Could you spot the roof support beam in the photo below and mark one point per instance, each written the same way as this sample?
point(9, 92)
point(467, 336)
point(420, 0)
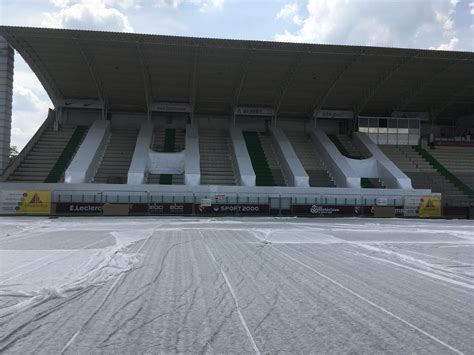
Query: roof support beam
point(285, 83)
point(319, 101)
point(437, 111)
point(34, 61)
point(242, 75)
point(93, 75)
point(424, 84)
point(146, 80)
point(370, 94)
point(193, 79)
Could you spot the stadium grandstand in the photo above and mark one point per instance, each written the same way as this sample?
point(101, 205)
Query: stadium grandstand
point(150, 125)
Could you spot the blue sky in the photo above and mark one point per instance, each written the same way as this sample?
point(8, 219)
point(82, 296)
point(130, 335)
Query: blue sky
point(435, 24)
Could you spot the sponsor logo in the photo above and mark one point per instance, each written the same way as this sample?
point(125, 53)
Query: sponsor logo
point(167, 208)
point(35, 199)
point(234, 209)
point(320, 210)
point(85, 208)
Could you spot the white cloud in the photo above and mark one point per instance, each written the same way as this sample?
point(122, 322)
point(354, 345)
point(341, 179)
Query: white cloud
point(403, 23)
point(204, 5)
point(30, 107)
point(89, 14)
point(449, 46)
point(290, 12)
point(471, 5)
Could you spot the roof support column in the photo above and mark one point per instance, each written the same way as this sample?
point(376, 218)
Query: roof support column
point(6, 97)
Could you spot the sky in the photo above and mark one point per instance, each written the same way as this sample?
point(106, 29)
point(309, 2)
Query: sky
point(429, 24)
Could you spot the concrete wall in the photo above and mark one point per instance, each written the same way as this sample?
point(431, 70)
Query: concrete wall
point(243, 165)
point(340, 170)
point(86, 160)
point(6, 96)
point(291, 166)
point(192, 160)
point(140, 160)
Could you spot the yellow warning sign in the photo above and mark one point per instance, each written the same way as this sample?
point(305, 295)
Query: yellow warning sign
point(430, 206)
point(34, 202)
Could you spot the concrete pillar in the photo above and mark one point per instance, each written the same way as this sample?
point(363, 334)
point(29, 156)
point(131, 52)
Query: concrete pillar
point(6, 96)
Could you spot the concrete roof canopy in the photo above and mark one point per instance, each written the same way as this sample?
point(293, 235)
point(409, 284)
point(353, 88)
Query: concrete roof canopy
point(129, 71)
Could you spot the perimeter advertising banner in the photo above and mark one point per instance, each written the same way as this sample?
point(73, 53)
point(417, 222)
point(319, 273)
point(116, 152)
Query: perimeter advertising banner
point(339, 211)
point(25, 202)
point(157, 209)
point(244, 209)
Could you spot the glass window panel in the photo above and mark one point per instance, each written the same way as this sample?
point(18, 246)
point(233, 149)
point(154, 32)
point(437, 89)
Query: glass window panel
point(363, 122)
point(167, 199)
point(403, 123)
point(414, 124)
point(383, 122)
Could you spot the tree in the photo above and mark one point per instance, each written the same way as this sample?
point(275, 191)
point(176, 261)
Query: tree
point(13, 152)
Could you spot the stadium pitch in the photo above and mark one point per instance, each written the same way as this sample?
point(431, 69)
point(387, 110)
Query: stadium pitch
point(236, 285)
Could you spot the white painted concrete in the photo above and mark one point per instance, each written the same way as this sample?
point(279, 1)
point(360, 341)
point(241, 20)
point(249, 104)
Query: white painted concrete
point(291, 165)
point(338, 166)
point(243, 165)
point(6, 97)
point(140, 161)
point(83, 166)
point(192, 160)
point(387, 171)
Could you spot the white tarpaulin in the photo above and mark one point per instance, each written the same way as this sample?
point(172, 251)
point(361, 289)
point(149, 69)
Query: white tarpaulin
point(166, 163)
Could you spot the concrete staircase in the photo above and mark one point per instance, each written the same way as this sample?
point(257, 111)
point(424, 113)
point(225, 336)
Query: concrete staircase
point(423, 175)
point(272, 159)
point(113, 168)
point(458, 160)
point(309, 157)
point(216, 159)
point(158, 145)
point(38, 163)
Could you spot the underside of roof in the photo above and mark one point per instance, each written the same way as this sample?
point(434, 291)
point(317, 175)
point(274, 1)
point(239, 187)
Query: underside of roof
point(130, 71)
